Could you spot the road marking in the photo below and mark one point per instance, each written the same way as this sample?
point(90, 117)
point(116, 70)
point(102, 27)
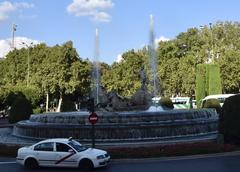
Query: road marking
point(12, 162)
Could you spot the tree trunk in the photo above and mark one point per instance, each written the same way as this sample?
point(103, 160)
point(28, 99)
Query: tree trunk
point(59, 104)
point(47, 101)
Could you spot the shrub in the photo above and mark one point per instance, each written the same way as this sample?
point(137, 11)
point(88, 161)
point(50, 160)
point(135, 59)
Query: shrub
point(9, 93)
point(9, 150)
point(230, 119)
point(32, 93)
point(166, 102)
point(38, 110)
point(11, 96)
point(169, 150)
point(21, 109)
point(3, 96)
point(213, 103)
point(68, 105)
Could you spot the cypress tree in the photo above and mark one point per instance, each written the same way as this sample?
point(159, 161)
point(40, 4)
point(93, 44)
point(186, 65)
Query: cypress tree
point(200, 83)
point(208, 81)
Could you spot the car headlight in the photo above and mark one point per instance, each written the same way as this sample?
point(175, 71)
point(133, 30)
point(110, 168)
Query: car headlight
point(100, 157)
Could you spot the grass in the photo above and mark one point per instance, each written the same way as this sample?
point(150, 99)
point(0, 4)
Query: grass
point(149, 152)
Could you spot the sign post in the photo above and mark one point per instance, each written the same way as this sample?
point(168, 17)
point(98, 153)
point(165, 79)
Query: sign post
point(93, 118)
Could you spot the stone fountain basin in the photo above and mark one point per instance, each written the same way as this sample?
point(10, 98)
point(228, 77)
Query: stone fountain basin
point(121, 126)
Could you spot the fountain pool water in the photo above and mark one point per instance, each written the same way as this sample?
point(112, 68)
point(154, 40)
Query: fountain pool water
point(155, 109)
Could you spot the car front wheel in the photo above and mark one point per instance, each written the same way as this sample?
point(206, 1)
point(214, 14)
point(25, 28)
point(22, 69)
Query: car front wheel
point(86, 164)
point(31, 163)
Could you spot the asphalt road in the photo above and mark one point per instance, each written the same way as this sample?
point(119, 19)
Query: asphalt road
point(219, 163)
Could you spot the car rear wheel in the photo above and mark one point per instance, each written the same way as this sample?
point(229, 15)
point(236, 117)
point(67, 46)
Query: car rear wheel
point(31, 163)
point(86, 164)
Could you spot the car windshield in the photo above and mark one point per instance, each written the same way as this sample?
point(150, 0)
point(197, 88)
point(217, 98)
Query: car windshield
point(77, 146)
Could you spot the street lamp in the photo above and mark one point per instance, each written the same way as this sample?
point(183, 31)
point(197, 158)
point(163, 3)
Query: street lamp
point(14, 28)
point(211, 54)
point(212, 43)
point(28, 60)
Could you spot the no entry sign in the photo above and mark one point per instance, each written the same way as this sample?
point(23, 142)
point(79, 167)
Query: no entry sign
point(93, 118)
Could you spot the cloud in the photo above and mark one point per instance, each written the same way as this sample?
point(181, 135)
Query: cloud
point(102, 17)
point(119, 58)
point(7, 7)
point(5, 45)
point(95, 9)
point(161, 38)
point(24, 5)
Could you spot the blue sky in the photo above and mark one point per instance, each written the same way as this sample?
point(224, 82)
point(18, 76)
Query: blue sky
point(122, 24)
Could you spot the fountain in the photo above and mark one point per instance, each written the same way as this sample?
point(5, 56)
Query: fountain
point(127, 121)
point(95, 88)
point(172, 125)
point(153, 60)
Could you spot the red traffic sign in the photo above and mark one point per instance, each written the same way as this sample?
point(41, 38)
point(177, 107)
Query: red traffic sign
point(93, 118)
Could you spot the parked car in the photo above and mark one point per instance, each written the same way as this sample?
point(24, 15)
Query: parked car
point(61, 153)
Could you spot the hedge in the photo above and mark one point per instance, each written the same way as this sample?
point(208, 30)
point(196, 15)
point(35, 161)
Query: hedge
point(200, 83)
point(208, 81)
point(230, 119)
point(214, 79)
point(21, 109)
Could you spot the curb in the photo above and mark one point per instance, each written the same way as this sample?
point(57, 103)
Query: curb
point(177, 158)
point(6, 126)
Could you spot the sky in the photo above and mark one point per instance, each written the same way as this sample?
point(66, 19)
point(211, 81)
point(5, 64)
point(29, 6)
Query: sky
point(122, 24)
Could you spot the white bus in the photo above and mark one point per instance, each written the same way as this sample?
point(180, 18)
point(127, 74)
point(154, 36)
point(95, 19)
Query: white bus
point(178, 102)
point(183, 102)
point(220, 97)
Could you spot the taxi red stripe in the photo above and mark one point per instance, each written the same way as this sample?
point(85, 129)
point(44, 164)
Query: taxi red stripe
point(64, 158)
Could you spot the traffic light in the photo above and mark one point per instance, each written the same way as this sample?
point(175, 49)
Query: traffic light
point(90, 105)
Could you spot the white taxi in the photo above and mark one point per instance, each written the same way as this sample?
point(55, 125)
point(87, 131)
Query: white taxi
point(61, 153)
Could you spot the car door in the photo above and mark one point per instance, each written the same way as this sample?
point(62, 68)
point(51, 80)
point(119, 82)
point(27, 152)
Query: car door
point(65, 156)
point(44, 152)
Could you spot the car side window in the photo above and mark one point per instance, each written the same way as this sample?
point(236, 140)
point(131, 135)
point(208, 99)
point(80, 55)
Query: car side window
point(61, 147)
point(44, 147)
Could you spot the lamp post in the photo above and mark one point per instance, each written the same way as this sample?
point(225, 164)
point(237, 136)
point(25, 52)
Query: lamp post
point(14, 28)
point(28, 61)
point(211, 55)
point(212, 43)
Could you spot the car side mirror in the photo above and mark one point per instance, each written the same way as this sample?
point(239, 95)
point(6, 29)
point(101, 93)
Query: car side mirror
point(70, 150)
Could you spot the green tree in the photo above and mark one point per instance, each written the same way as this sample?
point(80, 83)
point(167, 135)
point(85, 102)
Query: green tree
point(124, 76)
point(58, 71)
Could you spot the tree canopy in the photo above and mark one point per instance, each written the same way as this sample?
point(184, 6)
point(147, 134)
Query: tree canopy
point(58, 71)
